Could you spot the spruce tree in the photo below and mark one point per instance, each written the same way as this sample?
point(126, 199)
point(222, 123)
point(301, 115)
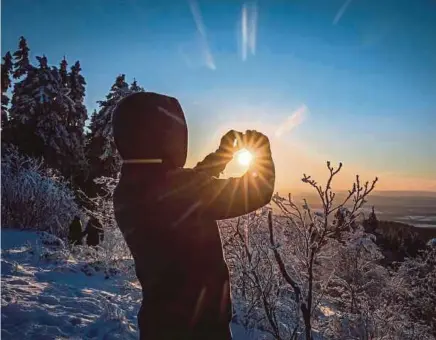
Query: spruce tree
point(39, 111)
point(21, 122)
point(5, 84)
point(76, 121)
point(371, 224)
point(77, 94)
point(25, 74)
point(21, 59)
point(47, 114)
point(134, 87)
point(63, 73)
point(53, 106)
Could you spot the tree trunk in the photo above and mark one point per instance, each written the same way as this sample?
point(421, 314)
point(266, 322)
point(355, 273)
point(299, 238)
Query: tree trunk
point(307, 312)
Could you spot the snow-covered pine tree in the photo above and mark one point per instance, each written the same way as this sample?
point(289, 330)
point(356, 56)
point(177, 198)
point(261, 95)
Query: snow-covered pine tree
point(39, 114)
point(53, 107)
point(47, 115)
point(134, 87)
point(21, 59)
point(5, 84)
point(21, 112)
point(371, 224)
point(20, 67)
point(76, 121)
point(63, 73)
point(101, 150)
point(77, 94)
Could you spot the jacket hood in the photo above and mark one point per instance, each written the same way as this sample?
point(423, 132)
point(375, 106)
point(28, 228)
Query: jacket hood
point(149, 126)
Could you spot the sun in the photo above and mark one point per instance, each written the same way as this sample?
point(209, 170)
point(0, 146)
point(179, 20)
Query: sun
point(244, 157)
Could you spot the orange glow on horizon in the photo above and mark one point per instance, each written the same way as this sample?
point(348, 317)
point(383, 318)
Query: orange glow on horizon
point(292, 158)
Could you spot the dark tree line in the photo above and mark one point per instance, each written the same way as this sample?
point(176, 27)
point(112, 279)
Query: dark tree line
point(43, 114)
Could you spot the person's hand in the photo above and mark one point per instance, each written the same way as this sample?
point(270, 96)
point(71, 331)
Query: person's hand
point(231, 142)
point(255, 141)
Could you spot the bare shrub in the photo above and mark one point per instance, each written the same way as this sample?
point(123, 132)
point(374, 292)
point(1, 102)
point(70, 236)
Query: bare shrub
point(282, 264)
point(260, 298)
point(315, 237)
point(34, 197)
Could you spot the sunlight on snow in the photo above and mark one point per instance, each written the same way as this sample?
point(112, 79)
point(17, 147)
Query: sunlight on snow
point(326, 311)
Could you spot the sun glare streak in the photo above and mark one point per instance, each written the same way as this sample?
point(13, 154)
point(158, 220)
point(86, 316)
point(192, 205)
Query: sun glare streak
point(248, 29)
point(195, 10)
point(295, 119)
point(232, 198)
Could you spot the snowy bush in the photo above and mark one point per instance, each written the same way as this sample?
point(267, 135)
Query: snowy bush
point(282, 265)
point(261, 301)
point(33, 196)
point(414, 291)
point(113, 246)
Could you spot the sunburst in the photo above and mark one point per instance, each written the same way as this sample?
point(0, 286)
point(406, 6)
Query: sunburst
point(244, 157)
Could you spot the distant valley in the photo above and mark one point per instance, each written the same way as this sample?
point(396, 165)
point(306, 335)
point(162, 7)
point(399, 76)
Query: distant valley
point(414, 208)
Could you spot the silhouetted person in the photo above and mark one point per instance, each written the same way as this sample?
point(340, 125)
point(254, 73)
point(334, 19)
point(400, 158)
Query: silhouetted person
point(75, 233)
point(94, 230)
point(168, 216)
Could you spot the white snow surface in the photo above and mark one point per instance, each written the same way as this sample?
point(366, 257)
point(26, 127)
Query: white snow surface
point(62, 298)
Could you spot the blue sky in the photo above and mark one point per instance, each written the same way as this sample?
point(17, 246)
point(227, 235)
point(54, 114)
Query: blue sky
point(363, 70)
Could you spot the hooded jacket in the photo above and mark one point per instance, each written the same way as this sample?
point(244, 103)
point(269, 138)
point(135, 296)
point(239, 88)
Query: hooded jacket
point(168, 215)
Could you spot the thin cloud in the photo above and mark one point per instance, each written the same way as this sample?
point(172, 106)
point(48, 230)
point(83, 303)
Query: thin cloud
point(208, 57)
point(249, 29)
point(341, 12)
point(295, 119)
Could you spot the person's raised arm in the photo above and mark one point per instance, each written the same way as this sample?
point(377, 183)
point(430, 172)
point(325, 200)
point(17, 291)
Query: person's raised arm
point(215, 163)
point(227, 198)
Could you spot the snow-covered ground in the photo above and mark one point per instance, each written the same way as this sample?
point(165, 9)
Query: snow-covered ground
point(47, 294)
point(63, 298)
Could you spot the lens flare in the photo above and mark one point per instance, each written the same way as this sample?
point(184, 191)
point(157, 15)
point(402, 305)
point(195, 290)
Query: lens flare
point(244, 157)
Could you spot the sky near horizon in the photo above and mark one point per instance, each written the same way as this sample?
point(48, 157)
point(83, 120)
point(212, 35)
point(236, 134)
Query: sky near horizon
point(351, 81)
